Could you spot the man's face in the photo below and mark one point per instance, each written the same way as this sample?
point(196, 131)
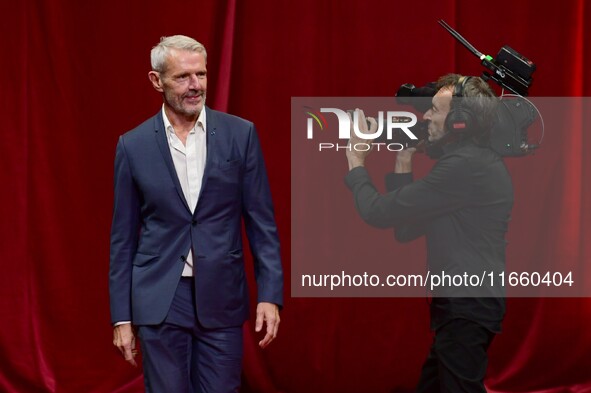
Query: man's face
point(183, 82)
point(437, 114)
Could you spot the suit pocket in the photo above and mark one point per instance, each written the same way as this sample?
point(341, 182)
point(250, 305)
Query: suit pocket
point(141, 259)
point(230, 164)
point(224, 179)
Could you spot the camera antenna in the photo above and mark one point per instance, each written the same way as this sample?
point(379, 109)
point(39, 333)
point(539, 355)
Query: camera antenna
point(462, 40)
point(509, 69)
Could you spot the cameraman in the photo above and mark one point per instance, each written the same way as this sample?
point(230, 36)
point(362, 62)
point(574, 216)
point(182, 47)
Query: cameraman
point(462, 207)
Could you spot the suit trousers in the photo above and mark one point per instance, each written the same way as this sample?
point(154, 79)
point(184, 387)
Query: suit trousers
point(182, 356)
point(458, 359)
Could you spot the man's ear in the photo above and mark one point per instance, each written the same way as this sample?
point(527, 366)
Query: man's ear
point(156, 81)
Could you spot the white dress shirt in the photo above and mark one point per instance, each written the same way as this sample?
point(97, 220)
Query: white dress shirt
point(189, 163)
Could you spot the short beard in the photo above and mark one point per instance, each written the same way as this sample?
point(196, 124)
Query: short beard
point(178, 107)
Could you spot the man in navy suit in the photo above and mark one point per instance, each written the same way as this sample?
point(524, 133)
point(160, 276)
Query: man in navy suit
point(184, 181)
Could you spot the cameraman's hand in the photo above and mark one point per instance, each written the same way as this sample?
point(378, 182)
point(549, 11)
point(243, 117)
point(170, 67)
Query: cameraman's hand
point(404, 160)
point(355, 157)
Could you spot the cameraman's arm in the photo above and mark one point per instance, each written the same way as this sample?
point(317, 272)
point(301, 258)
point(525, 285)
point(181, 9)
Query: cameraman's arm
point(445, 189)
point(402, 176)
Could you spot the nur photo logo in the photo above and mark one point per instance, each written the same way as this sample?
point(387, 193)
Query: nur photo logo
point(393, 120)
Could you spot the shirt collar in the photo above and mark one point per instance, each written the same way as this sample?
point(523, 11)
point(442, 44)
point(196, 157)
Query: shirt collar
point(200, 124)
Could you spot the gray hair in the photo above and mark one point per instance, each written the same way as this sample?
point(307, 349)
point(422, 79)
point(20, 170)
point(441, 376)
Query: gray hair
point(162, 50)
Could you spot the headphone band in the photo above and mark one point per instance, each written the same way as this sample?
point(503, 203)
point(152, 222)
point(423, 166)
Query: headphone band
point(460, 86)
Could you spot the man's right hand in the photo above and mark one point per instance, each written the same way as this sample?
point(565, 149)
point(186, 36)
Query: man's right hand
point(124, 340)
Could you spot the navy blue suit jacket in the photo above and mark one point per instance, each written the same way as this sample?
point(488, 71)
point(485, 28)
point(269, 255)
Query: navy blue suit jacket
point(153, 227)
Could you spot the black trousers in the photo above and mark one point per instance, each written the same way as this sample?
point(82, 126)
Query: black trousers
point(458, 359)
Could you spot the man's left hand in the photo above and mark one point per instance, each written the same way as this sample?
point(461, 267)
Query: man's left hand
point(268, 313)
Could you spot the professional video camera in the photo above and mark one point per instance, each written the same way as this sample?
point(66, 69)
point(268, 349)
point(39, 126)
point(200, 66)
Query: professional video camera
point(515, 113)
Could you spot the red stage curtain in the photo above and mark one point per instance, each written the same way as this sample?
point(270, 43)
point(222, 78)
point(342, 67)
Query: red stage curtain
point(74, 77)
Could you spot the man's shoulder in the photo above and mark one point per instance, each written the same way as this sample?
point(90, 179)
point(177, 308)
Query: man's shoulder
point(460, 161)
point(145, 128)
point(470, 152)
point(471, 161)
point(228, 120)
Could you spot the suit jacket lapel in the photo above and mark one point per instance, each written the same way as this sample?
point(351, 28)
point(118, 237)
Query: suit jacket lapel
point(210, 137)
point(161, 139)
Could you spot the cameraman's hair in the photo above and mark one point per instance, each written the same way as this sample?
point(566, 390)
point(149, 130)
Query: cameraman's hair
point(479, 99)
point(447, 81)
point(162, 50)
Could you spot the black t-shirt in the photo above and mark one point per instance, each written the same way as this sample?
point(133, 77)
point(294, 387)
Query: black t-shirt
point(462, 207)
